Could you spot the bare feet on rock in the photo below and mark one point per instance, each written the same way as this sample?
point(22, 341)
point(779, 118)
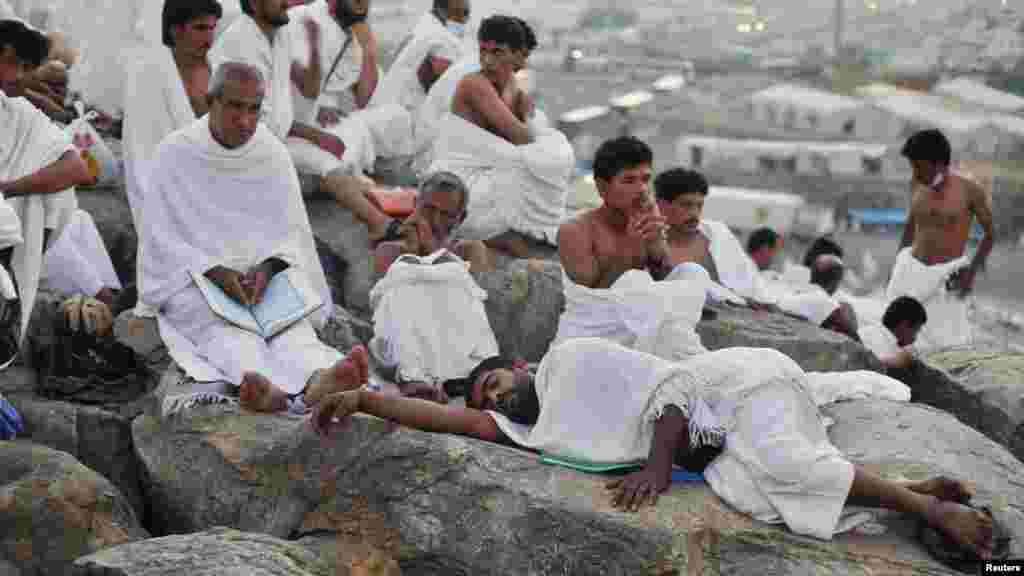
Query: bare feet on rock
point(944, 488)
point(969, 528)
point(258, 394)
point(348, 374)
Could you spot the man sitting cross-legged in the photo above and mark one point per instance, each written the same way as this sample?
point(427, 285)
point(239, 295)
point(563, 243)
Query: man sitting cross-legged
point(718, 412)
point(516, 166)
point(223, 201)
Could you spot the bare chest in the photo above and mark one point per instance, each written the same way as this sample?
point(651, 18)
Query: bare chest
point(617, 254)
point(946, 208)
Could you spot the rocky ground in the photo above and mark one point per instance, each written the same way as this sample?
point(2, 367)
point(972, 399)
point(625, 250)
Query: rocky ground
point(116, 489)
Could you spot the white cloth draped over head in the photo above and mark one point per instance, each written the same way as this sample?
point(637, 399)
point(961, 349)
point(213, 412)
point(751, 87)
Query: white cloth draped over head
point(77, 261)
point(809, 302)
point(511, 188)
point(437, 105)
point(29, 142)
point(243, 41)
point(401, 85)
point(659, 318)
point(429, 319)
point(949, 321)
point(736, 271)
point(156, 104)
point(599, 402)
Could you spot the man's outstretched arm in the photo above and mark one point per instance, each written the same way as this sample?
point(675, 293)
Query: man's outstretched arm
point(66, 172)
point(671, 434)
point(411, 412)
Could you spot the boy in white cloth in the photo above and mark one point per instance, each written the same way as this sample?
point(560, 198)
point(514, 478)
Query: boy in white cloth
point(595, 400)
point(516, 166)
point(165, 90)
point(693, 238)
point(891, 341)
point(932, 265)
point(223, 200)
point(38, 164)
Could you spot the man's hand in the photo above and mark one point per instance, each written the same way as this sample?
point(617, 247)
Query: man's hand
point(648, 224)
point(333, 409)
point(331, 143)
point(962, 281)
point(230, 281)
point(362, 33)
point(631, 492)
point(254, 282)
point(327, 117)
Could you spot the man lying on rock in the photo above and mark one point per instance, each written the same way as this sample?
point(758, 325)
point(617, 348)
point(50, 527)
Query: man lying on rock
point(718, 412)
point(429, 320)
point(817, 303)
point(223, 204)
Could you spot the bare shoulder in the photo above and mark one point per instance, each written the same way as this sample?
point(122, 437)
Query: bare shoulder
point(576, 229)
point(475, 84)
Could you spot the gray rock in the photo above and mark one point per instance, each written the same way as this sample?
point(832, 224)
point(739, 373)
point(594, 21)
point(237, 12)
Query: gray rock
point(451, 505)
point(982, 389)
point(347, 238)
point(54, 510)
point(915, 442)
point(217, 552)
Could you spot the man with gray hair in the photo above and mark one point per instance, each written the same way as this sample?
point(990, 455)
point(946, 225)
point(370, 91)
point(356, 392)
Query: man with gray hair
point(225, 224)
point(430, 324)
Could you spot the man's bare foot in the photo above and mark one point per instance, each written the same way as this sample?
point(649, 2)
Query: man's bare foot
point(944, 488)
point(970, 528)
point(423, 391)
point(347, 374)
point(259, 394)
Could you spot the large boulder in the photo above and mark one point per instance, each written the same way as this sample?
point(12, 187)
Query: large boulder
point(985, 390)
point(217, 552)
point(452, 505)
point(339, 231)
point(54, 510)
point(914, 442)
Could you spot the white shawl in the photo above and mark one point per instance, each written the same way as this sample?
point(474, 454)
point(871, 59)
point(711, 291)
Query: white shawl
point(429, 319)
point(659, 318)
point(336, 90)
point(155, 105)
point(244, 42)
point(736, 271)
point(28, 143)
point(810, 302)
point(210, 206)
point(520, 188)
point(438, 103)
point(401, 85)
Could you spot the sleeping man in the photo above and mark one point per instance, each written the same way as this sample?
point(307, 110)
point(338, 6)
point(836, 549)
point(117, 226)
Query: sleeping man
point(595, 400)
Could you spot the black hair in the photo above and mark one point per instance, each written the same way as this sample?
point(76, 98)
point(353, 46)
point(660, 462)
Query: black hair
point(929, 145)
point(30, 45)
point(673, 183)
point(828, 275)
point(504, 30)
point(463, 386)
point(528, 34)
point(246, 6)
point(761, 238)
point(904, 309)
point(521, 405)
point(179, 12)
point(822, 245)
point(618, 154)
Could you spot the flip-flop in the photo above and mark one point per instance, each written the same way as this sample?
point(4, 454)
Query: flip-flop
point(945, 550)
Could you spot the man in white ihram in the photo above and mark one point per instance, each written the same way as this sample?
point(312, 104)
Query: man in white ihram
point(224, 202)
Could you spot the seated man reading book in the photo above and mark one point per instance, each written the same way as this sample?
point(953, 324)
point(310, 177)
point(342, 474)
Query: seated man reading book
point(595, 400)
point(230, 263)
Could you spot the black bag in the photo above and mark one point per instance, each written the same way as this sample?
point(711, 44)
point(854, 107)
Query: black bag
point(84, 368)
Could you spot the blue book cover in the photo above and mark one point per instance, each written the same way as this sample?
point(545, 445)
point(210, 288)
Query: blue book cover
point(286, 300)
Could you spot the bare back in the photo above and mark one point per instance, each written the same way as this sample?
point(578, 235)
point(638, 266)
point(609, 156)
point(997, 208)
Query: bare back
point(478, 101)
point(594, 254)
point(942, 219)
point(197, 81)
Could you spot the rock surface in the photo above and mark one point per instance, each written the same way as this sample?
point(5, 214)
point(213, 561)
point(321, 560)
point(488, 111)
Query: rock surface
point(984, 390)
point(217, 552)
point(54, 510)
point(452, 505)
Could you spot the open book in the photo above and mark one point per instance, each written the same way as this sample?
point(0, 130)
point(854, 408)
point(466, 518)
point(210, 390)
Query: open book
point(287, 300)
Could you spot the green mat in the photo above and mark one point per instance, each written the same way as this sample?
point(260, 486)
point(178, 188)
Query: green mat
point(678, 474)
